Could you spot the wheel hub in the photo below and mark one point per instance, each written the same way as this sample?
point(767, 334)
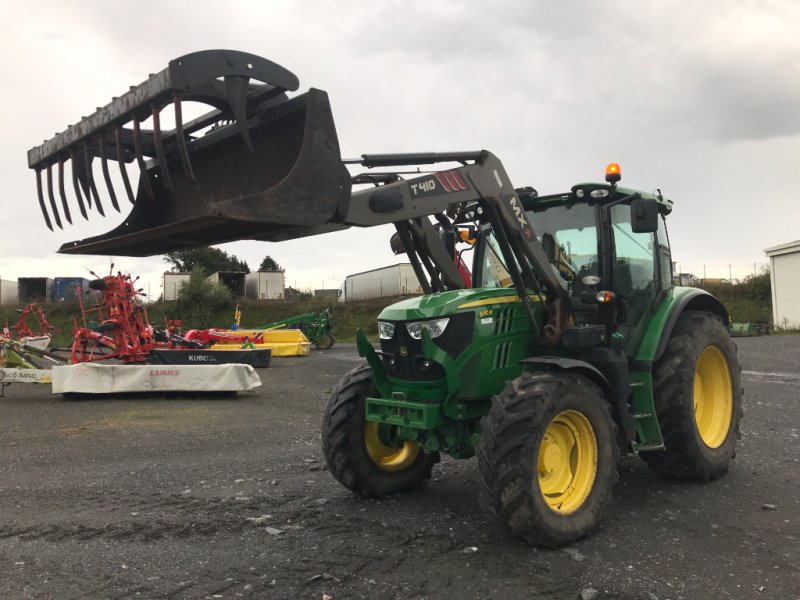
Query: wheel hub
point(550, 457)
point(387, 457)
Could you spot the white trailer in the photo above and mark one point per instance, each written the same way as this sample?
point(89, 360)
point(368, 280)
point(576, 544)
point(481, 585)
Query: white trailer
point(8, 292)
point(396, 280)
point(265, 285)
point(171, 284)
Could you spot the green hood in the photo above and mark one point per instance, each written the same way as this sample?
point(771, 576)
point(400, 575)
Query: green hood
point(433, 306)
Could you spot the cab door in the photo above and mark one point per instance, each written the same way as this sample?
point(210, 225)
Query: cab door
point(641, 271)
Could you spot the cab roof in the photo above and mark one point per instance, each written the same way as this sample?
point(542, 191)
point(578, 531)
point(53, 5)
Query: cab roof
point(581, 192)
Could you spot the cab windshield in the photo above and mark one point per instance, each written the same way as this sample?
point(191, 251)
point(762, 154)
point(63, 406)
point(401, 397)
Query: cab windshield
point(568, 235)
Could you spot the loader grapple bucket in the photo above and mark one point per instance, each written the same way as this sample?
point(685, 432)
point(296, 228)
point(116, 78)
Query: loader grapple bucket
point(258, 165)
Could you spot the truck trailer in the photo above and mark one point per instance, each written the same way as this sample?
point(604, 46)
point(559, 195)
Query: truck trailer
point(8, 292)
point(171, 284)
point(265, 285)
point(33, 289)
point(395, 280)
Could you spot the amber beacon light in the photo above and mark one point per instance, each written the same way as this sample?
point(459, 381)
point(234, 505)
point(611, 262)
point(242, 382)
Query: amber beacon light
point(613, 173)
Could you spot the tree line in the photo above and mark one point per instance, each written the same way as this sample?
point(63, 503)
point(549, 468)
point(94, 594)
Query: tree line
point(212, 260)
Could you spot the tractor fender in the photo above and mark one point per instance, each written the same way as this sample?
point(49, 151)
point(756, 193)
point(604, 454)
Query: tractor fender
point(615, 393)
point(696, 299)
point(570, 364)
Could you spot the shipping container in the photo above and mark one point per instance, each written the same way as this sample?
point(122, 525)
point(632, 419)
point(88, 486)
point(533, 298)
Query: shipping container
point(265, 285)
point(326, 293)
point(9, 292)
point(67, 289)
point(171, 284)
point(35, 289)
point(233, 280)
point(396, 280)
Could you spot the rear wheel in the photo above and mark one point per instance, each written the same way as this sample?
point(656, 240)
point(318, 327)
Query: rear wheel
point(698, 398)
point(365, 457)
point(325, 341)
point(547, 458)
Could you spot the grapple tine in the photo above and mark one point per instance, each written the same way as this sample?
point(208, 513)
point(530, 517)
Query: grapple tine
point(162, 160)
point(236, 90)
point(41, 200)
point(61, 191)
point(90, 179)
point(106, 176)
point(79, 166)
point(137, 144)
point(75, 184)
point(180, 138)
point(52, 197)
point(121, 160)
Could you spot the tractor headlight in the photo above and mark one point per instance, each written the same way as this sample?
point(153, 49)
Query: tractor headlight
point(385, 330)
point(435, 328)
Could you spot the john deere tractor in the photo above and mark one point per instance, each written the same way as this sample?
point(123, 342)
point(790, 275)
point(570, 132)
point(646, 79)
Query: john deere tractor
point(566, 345)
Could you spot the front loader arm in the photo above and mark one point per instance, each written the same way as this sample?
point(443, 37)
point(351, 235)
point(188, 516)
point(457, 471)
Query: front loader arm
point(484, 181)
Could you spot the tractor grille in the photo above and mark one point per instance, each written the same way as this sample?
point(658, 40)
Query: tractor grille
point(412, 366)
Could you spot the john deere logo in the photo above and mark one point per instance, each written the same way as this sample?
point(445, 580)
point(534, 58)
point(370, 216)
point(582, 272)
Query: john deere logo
point(403, 351)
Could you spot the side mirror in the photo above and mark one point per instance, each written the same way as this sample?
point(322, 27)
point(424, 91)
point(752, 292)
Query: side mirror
point(644, 215)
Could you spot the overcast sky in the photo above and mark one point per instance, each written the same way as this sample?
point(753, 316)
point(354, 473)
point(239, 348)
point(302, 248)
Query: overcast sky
point(700, 99)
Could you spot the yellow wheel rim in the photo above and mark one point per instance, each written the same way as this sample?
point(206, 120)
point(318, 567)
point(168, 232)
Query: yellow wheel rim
point(713, 397)
point(388, 458)
point(567, 462)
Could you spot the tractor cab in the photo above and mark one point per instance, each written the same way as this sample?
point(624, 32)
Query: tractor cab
point(607, 245)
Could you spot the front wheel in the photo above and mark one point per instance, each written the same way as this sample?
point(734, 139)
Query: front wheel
point(325, 341)
point(697, 391)
point(547, 457)
point(365, 457)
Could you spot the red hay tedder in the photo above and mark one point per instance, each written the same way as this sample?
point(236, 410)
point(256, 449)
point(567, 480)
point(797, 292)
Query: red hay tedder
point(23, 330)
point(114, 325)
point(121, 331)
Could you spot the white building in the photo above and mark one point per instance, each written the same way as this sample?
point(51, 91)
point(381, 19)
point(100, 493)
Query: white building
point(784, 266)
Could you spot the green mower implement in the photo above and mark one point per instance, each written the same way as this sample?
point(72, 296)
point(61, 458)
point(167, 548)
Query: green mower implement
point(315, 326)
point(20, 363)
point(569, 345)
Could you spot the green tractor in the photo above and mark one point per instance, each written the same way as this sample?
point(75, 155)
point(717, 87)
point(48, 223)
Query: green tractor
point(638, 366)
point(567, 346)
point(315, 326)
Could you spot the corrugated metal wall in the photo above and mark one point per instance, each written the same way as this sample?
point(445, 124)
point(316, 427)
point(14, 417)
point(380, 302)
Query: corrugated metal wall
point(786, 289)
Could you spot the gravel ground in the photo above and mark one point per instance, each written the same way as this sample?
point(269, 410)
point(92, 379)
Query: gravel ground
point(229, 498)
